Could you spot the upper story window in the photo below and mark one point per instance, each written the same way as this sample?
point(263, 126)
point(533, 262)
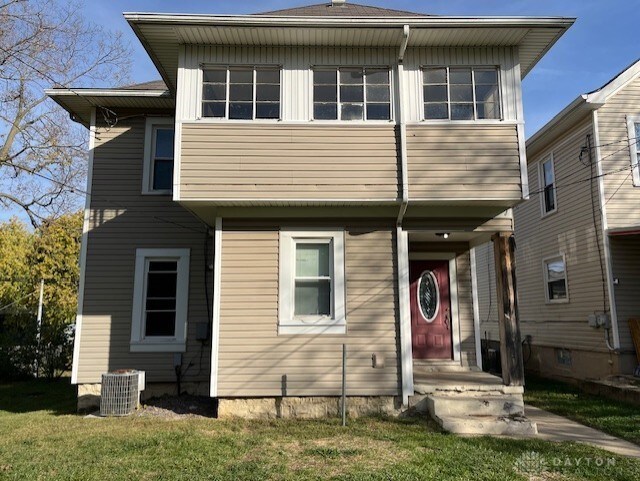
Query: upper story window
point(353, 93)
point(241, 93)
point(548, 183)
point(555, 278)
point(633, 123)
point(461, 93)
point(158, 156)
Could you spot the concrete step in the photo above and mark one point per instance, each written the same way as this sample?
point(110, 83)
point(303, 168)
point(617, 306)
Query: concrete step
point(475, 405)
point(488, 425)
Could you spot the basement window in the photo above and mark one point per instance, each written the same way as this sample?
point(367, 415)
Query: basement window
point(241, 93)
point(461, 93)
point(160, 299)
point(311, 282)
point(555, 279)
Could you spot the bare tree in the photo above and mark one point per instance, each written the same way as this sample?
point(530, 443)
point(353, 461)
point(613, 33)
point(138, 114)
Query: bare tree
point(46, 43)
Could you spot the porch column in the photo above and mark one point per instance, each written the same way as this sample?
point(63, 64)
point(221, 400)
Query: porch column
point(510, 342)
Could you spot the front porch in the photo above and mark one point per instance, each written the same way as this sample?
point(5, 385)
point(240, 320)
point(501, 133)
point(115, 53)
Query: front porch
point(442, 323)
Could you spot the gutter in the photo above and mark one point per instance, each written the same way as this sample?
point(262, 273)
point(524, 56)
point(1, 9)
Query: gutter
point(403, 127)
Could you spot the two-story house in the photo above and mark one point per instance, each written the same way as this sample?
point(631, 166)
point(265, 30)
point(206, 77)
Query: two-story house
point(578, 257)
point(303, 179)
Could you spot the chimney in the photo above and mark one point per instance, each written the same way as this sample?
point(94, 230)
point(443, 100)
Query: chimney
point(338, 3)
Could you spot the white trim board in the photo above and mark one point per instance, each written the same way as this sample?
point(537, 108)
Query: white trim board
point(453, 294)
point(83, 249)
point(476, 306)
point(406, 353)
point(215, 322)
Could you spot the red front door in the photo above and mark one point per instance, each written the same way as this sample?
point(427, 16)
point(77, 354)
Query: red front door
point(430, 309)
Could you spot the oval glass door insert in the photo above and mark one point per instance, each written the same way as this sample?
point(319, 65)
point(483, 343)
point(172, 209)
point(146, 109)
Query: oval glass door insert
point(428, 296)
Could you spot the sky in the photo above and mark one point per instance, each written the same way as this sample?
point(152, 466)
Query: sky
point(602, 42)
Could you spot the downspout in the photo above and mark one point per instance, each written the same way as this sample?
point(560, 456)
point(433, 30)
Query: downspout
point(402, 238)
point(404, 178)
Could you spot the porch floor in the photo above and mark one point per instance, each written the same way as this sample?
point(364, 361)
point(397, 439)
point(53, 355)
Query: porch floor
point(462, 381)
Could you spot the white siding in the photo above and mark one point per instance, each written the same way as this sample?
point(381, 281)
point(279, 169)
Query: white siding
point(297, 63)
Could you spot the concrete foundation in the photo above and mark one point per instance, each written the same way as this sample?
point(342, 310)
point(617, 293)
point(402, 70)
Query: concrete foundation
point(306, 407)
point(583, 364)
point(89, 394)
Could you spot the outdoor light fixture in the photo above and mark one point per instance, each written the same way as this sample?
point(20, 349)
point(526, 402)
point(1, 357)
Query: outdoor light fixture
point(444, 235)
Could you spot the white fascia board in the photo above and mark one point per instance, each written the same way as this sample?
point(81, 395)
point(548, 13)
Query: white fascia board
point(433, 21)
point(62, 92)
point(602, 95)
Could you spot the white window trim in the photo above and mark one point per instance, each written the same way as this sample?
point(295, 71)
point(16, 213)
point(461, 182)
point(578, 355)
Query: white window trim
point(501, 104)
point(545, 275)
point(287, 323)
point(147, 170)
point(365, 121)
point(225, 119)
point(160, 344)
point(633, 147)
point(544, 160)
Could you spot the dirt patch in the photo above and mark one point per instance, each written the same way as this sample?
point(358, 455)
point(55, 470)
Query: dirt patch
point(178, 407)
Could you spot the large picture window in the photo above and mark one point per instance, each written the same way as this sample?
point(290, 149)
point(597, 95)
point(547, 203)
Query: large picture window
point(311, 282)
point(161, 289)
point(241, 93)
point(354, 93)
point(461, 93)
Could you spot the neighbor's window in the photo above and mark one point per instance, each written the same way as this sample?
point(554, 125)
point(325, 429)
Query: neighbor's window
point(555, 276)
point(351, 94)
point(548, 183)
point(461, 93)
point(241, 93)
point(160, 300)
point(159, 147)
point(633, 123)
point(311, 282)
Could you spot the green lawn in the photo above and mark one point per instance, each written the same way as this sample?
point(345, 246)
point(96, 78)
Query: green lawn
point(41, 439)
point(613, 417)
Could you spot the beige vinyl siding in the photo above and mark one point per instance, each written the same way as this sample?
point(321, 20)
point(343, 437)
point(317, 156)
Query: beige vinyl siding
point(570, 230)
point(260, 161)
point(122, 220)
point(253, 358)
point(621, 197)
point(625, 260)
point(470, 161)
point(487, 290)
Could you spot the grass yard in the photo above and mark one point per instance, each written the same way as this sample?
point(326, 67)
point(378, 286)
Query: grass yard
point(41, 439)
point(613, 417)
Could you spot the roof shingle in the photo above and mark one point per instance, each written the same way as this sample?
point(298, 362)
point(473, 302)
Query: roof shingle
point(346, 10)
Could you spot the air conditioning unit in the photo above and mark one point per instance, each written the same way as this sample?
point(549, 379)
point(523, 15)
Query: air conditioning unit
point(120, 392)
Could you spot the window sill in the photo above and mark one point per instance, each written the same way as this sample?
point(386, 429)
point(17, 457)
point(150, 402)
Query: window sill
point(298, 327)
point(544, 215)
point(157, 346)
point(557, 301)
point(157, 192)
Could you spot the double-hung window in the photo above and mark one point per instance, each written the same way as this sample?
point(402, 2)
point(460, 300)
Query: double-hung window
point(461, 93)
point(241, 93)
point(548, 182)
point(353, 93)
point(311, 282)
point(555, 279)
point(158, 156)
point(160, 300)
point(633, 124)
